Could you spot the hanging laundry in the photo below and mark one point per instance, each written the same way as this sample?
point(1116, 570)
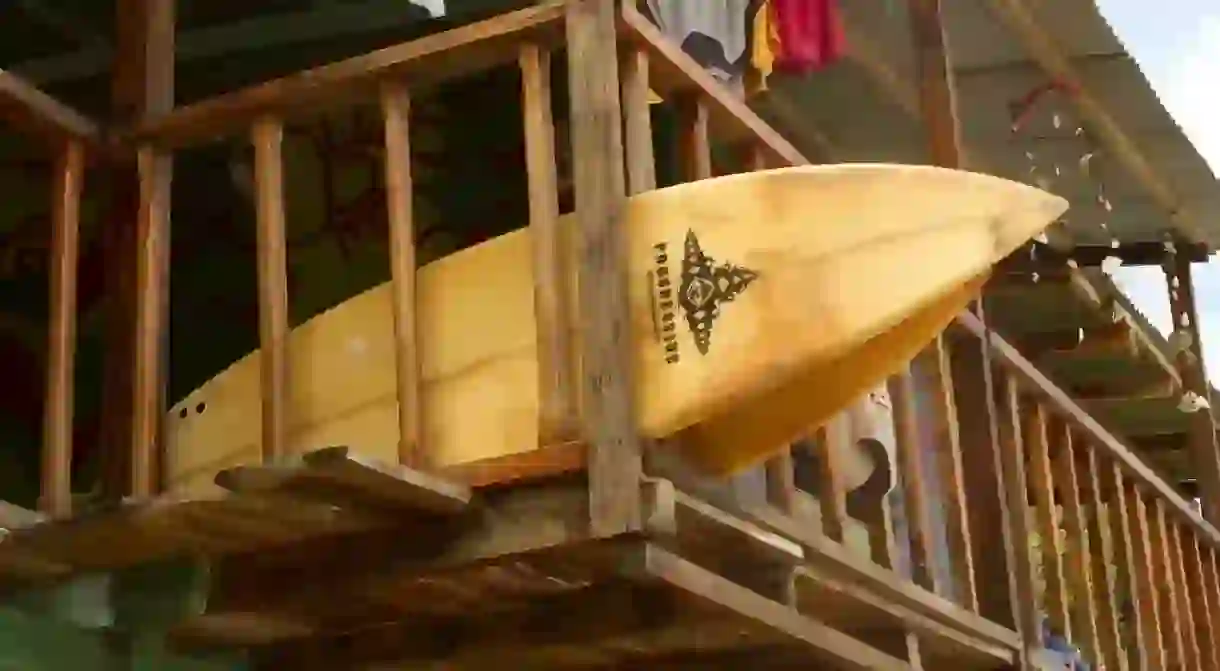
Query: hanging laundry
point(810, 34)
point(713, 32)
point(763, 42)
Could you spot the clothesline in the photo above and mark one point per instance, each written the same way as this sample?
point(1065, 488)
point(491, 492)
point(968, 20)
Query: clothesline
point(727, 37)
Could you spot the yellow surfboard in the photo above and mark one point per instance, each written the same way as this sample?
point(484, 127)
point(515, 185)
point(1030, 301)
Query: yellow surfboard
point(760, 305)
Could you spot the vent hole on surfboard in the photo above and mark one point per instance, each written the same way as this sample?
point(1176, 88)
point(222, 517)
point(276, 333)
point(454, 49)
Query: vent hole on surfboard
point(200, 407)
point(182, 413)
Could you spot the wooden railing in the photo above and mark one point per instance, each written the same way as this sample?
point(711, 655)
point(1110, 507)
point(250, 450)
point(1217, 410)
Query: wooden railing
point(385, 77)
point(69, 137)
point(1124, 567)
point(939, 600)
point(978, 473)
point(1019, 507)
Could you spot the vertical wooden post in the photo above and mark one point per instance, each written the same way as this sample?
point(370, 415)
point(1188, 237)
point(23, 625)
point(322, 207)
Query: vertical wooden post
point(913, 477)
point(552, 277)
point(937, 98)
point(694, 142)
point(989, 512)
point(267, 137)
point(56, 499)
point(1189, 362)
point(1016, 491)
point(641, 161)
point(396, 112)
point(952, 476)
point(142, 87)
point(994, 548)
point(615, 463)
point(152, 321)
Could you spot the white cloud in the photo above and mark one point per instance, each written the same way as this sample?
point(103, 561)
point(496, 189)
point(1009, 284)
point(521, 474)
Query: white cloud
point(1186, 81)
point(1189, 89)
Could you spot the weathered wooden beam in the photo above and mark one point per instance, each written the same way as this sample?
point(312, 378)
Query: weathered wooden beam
point(608, 425)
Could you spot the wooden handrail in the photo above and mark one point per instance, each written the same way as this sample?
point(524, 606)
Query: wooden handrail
point(427, 60)
point(31, 110)
point(1114, 449)
point(675, 72)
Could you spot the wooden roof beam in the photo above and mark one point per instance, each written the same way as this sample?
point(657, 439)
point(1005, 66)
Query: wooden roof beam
point(1020, 19)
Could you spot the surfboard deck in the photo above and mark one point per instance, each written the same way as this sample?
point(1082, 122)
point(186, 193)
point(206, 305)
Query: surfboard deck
point(760, 305)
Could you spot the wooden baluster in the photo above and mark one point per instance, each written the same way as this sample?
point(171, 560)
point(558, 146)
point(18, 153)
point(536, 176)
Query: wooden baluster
point(152, 318)
point(641, 163)
point(552, 276)
point(883, 549)
point(1106, 601)
point(1140, 638)
point(781, 482)
point(914, 482)
point(1163, 578)
point(781, 486)
point(396, 116)
point(1016, 489)
point(1201, 599)
point(755, 157)
point(1185, 603)
point(1144, 564)
point(1083, 611)
point(834, 441)
point(56, 498)
point(1049, 522)
point(693, 144)
point(267, 136)
point(949, 461)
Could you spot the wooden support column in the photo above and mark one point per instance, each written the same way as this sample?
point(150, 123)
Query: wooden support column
point(1189, 362)
point(56, 499)
point(607, 421)
point(990, 518)
point(267, 136)
point(396, 113)
point(993, 546)
point(937, 98)
point(136, 241)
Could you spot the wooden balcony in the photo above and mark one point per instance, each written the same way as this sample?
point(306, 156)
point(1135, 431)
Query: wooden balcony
point(574, 556)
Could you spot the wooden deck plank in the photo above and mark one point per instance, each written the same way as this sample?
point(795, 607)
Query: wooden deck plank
point(323, 493)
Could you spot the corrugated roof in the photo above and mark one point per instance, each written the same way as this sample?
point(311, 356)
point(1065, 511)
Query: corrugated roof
point(993, 71)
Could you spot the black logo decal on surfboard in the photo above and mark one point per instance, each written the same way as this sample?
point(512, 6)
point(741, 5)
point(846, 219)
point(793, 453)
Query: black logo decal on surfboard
point(702, 288)
point(705, 287)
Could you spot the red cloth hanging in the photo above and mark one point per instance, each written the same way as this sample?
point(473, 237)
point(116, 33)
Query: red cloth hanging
point(810, 34)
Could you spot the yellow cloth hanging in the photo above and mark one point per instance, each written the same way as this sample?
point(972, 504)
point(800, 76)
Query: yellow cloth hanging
point(764, 41)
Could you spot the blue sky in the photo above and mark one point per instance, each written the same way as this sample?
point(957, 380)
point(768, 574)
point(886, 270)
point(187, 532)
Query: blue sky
point(1177, 44)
